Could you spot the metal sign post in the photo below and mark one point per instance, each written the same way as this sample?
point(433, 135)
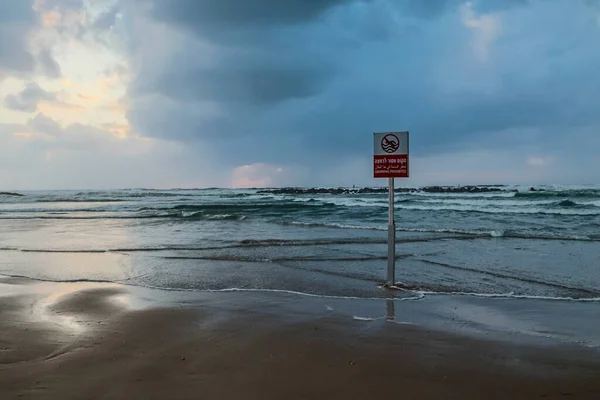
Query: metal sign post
point(391, 272)
point(390, 160)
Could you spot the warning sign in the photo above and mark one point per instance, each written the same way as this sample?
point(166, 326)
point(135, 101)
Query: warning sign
point(390, 158)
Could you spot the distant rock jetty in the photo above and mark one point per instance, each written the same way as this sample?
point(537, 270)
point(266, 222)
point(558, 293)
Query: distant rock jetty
point(10, 194)
point(428, 189)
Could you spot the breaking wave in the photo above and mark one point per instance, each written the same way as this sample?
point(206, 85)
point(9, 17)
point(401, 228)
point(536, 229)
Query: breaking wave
point(576, 193)
point(463, 232)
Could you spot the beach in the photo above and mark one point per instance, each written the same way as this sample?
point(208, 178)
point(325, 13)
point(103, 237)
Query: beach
point(106, 341)
point(219, 293)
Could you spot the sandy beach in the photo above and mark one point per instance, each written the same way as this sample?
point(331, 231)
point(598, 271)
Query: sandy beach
point(105, 341)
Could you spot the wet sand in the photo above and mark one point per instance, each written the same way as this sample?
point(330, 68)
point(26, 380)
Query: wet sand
point(95, 341)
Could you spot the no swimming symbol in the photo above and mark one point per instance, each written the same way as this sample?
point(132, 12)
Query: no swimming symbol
point(390, 143)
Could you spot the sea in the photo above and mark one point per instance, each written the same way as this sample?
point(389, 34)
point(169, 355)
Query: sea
point(514, 243)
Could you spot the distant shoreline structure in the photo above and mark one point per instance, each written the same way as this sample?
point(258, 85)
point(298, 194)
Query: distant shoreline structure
point(367, 190)
point(299, 190)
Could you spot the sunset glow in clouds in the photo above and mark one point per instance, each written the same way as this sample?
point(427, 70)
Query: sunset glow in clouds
point(197, 93)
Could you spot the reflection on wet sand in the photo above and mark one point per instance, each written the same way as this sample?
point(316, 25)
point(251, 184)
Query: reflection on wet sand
point(390, 311)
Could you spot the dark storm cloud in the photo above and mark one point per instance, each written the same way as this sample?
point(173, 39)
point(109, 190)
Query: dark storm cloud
point(429, 9)
point(263, 57)
point(433, 8)
point(242, 84)
point(204, 15)
point(486, 6)
point(268, 51)
point(298, 84)
point(266, 48)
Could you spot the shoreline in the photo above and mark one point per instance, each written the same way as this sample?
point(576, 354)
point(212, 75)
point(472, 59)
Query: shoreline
point(86, 340)
point(501, 317)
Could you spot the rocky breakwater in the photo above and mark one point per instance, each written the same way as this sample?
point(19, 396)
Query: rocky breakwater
point(427, 189)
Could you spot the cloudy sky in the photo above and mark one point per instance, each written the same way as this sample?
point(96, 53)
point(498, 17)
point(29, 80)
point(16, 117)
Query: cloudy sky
point(198, 93)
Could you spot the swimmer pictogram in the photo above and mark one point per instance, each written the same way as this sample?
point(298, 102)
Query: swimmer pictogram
point(390, 143)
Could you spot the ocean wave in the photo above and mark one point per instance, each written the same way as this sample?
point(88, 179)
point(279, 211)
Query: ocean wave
point(127, 282)
point(238, 211)
point(248, 243)
point(573, 204)
point(78, 200)
point(484, 196)
point(252, 259)
point(314, 242)
point(82, 251)
point(249, 204)
point(284, 206)
point(501, 203)
point(334, 225)
point(412, 295)
point(77, 280)
point(474, 233)
point(575, 193)
point(582, 211)
point(51, 216)
point(211, 217)
point(498, 233)
point(351, 202)
point(131, 195)
point(495, 205)
point(241, 244)
point(157, 214)
point(55, 210)
point(418, 296)
point(582, 292)
point(547, 205)
point(476, 205)
point(511, 295)
point(445, 234)
point(341, 241)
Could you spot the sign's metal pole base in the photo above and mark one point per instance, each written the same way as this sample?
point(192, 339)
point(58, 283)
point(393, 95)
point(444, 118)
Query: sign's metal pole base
point(391, 275)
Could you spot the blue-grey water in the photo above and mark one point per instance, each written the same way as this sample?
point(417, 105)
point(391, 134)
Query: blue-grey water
point(526, 244)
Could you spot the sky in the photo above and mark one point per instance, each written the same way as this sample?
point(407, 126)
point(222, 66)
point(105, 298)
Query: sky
point(252, 93)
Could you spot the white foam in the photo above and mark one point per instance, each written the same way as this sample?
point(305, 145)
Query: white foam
point(497, 210)
point(508, 296)
point(419, 294)
point(364, 318)
point(461, 195)
point(400, 322)
point(488, 202)
point(338, 226)
point(322, 296)
point(350, 202)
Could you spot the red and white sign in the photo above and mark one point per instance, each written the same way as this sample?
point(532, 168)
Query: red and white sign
point(390, 158)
